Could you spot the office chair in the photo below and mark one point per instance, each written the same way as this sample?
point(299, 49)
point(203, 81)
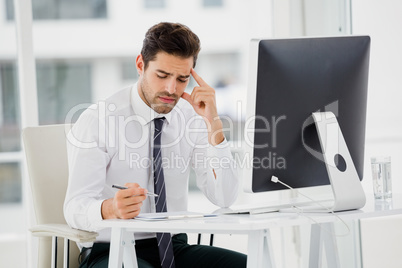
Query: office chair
point(46, 156)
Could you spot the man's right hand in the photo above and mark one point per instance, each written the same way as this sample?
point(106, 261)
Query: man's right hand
point(126, 204)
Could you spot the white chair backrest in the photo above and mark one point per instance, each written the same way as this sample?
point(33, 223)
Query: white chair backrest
point(45, 149)
point(46, 154)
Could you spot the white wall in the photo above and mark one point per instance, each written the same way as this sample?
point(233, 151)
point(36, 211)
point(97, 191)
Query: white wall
point(382, 20)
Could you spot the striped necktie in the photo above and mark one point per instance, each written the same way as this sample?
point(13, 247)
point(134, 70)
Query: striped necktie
point(164, 239)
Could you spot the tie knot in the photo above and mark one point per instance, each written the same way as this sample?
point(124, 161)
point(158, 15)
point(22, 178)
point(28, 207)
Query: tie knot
point(159, 123)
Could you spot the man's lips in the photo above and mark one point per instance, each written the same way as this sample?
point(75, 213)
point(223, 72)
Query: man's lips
point(167, 99)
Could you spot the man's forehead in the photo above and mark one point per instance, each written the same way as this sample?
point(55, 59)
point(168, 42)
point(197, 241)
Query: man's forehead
point(171, 63)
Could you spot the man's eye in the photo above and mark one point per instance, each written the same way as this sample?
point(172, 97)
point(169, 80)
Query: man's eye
point(183, 79)
point(161, 76)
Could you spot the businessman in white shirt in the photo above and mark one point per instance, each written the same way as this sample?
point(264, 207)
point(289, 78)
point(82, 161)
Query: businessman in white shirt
point(117, 141)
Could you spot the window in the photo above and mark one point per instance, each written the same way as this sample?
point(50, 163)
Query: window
point(10, 145)
point(129, 70)
point(9, 126)
point(154, 4)
point(226, 68)
point(10, 183)
point(212, 3)
point(63, 9)
point(61, 86)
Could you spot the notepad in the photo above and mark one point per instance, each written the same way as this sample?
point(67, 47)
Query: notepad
point(251, 210)
point(176, 215)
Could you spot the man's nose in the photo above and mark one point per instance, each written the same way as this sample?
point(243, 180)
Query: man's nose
point(171, 85)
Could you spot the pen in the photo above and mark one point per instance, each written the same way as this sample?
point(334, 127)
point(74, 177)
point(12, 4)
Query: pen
point(124, 187)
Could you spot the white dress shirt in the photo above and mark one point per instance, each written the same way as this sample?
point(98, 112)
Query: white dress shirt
point(110, 144)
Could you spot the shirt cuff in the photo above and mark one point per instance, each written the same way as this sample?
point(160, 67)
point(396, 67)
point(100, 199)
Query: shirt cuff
point(220, 156)
point(95, 214)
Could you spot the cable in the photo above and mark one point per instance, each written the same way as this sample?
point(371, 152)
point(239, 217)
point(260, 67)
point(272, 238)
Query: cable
point(300, 210)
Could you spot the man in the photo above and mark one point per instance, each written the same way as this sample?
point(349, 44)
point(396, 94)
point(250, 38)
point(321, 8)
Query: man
point(146, 137)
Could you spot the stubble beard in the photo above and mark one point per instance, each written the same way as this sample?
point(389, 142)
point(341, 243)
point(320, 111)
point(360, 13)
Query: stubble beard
point(154, 102)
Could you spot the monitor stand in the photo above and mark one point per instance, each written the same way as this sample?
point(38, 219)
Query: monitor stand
point(346, 186)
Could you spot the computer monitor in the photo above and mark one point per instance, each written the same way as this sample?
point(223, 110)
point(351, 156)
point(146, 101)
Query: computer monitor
point(289, 80)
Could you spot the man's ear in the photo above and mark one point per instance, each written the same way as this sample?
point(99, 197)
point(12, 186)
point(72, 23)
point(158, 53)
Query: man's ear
point(139, 63)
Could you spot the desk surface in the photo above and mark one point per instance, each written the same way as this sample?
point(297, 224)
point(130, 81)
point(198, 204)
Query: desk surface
point(246, 223)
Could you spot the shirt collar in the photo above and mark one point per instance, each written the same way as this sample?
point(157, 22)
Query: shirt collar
point(142, 110)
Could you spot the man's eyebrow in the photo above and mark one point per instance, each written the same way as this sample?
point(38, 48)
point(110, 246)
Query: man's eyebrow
point(162, 71)
point(166, 73)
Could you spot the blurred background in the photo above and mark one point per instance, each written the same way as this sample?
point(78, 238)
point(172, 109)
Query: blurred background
point(85, 50)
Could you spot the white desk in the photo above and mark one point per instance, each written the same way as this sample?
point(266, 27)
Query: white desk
point(255, 226)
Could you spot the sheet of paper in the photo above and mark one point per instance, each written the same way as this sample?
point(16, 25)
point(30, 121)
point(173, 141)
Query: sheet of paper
point(172, 215)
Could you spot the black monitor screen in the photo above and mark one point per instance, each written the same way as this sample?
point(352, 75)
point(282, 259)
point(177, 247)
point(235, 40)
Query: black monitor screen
point(294, 78)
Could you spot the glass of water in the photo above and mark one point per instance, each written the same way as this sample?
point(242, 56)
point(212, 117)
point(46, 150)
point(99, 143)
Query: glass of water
point(381, 170)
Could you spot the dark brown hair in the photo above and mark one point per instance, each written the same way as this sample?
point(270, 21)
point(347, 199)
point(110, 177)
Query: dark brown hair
point(173, 38)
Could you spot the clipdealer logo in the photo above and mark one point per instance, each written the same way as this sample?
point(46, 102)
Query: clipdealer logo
point(109, 122)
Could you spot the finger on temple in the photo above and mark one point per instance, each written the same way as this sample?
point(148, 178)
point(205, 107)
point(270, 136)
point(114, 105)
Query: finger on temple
point(198, 78)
